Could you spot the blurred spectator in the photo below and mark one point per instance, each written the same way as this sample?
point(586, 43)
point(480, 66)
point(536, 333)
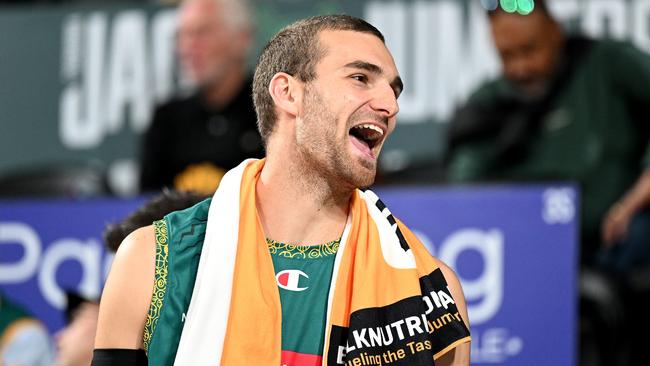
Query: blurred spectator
point(24, 341)
point(193, 141)
point(154, 209)
point(566, 108)
point(76, 340)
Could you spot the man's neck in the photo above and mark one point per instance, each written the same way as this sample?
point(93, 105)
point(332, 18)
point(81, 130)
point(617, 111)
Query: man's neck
point(299, 207)
point(220, 94)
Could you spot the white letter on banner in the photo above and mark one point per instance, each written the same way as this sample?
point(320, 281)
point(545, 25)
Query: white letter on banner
point(80, 112)
point(163, 36)
point(640, 34)
point(602, 12)
point(480, 60)
point(88, 254)
point(489, 286)
point(558, 206)
point(565, 11)
point(128, 82)
point(407, 29)
point(449, 64)
point(24, 235)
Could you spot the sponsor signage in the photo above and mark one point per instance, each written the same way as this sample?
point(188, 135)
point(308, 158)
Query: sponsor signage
point(406, 333)
point(48, 247)
point(514, 249)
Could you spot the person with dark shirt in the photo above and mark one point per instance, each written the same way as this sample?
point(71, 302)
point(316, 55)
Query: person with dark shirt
point(566, 108)
point(74, 342)
point(192, 141)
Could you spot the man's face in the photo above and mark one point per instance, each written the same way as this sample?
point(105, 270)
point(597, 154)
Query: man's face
point(350, 107)
point(208, 47)
point(76, 341)
point(529, 47)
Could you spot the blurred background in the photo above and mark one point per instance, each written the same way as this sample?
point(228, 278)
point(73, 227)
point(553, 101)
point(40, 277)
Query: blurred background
point(81, 83)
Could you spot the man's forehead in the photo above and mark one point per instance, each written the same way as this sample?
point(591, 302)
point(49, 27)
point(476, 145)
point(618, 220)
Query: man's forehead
point(511, 25)
point(200, 12)
point(347, 46)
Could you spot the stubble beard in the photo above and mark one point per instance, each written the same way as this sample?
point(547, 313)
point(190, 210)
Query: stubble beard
point(324, 152)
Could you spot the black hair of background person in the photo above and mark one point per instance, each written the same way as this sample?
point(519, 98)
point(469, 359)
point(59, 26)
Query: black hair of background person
point(154, 209)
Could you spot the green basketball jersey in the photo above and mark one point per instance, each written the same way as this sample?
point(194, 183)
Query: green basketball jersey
point(303, 275)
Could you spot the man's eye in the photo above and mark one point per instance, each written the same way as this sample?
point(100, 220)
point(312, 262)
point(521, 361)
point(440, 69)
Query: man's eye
point(360, 77)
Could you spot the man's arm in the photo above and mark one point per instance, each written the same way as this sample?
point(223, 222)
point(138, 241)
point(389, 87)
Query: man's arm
point(459, 356)
point(616, 221)
point(127, 294)
point(630, 68)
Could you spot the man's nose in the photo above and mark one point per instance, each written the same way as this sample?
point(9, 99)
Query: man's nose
point(519, 68)
point(385, 101)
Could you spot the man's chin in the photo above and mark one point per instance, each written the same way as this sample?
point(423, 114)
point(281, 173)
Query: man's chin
point(530, 92)
point(365, 178)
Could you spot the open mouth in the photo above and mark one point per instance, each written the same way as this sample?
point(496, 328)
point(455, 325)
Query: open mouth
point(366, 136)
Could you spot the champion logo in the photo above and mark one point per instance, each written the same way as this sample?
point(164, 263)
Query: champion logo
point(289, 279)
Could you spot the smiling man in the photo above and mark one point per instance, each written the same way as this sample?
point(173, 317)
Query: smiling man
point(292, 262)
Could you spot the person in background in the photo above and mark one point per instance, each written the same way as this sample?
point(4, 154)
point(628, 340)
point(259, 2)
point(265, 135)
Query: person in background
point(566, 108)
point(192, 141)
point(74, 342)
point(24, 341)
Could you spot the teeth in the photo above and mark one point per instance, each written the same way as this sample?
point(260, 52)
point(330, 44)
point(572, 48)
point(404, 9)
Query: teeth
point(372, 127)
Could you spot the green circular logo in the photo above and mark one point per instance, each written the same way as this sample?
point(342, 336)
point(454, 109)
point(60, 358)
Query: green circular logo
point(509, 6)
point(525, 7)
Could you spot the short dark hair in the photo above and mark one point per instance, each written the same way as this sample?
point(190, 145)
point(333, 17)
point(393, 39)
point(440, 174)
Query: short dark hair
point(154, 209)
point(295, 50)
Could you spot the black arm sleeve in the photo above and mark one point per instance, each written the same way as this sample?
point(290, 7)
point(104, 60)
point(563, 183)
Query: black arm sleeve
point(122, 357)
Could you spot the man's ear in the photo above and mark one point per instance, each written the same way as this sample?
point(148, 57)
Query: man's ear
point(286, 92)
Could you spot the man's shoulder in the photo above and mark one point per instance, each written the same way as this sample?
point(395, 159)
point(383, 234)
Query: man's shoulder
point(167, 115)
point(609, 50)
point(199, 211)
point(611, 45)
point(179, 102)
point(189, 223)
point(490, 90)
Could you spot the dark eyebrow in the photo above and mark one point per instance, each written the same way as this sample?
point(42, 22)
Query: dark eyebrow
point(396, 84)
